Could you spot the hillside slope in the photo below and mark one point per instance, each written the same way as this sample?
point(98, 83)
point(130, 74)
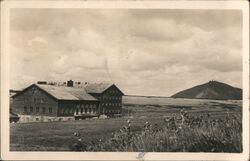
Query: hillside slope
point(211, 90)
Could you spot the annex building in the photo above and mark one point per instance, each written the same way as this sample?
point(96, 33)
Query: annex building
point(45, 102)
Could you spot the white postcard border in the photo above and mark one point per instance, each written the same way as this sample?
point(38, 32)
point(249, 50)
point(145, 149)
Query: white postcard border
point(5, 11)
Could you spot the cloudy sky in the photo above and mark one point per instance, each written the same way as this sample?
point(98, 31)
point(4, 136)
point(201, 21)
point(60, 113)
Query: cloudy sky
point(144, 52)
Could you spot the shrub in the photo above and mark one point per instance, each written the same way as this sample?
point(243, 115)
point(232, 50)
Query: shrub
point(180, 133)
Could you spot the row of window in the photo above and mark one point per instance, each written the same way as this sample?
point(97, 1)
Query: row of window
point(77, 111)
point(111, 111)
point(111, 104)
point(37, 109)
point(112, 92)
point(86, 106)
point(86, 110)
point(66, 111)
point(35, 100)
point(110, 98)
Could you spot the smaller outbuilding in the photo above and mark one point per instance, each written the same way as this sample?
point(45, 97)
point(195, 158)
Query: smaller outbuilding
point(13, 117)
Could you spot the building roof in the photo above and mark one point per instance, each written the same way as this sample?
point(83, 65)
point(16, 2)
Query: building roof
point(71, 93)
point(66, 93)
point(97, 88)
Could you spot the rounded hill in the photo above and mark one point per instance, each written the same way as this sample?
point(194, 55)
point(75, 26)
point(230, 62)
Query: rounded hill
point(211, 90)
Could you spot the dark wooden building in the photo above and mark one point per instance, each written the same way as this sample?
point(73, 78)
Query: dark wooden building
point(44, 102)
point(109, 97)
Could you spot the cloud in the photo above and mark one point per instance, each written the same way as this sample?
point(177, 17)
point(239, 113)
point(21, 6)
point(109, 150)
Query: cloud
point(160, 30)
point(148, 52)
point(205, 19)
point(36, 40)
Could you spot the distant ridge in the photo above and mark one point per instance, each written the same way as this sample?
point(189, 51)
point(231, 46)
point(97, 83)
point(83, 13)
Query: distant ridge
point(211, 90)
point(148, 96)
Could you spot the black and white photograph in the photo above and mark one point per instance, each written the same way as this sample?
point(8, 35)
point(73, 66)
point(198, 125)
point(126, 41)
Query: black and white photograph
point(133, 79)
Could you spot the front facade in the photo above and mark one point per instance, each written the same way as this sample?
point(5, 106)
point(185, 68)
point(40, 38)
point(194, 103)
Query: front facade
point(33, 104)
point(110, 100)
point(42, 102)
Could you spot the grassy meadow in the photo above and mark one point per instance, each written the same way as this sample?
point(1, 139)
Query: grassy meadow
point(148, 124)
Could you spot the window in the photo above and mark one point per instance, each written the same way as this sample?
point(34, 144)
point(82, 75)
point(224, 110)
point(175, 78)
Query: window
point(81, 110)
point(86, 110)
point(44, 109)
point(34, 99)
point(77, 111)
point(31, 109)
point(25, 109)
point(37, 119)
point(37, 109)
point(42, 101)
point(50, 110)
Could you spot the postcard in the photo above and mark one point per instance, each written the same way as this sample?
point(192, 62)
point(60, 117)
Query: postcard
point(124, 80)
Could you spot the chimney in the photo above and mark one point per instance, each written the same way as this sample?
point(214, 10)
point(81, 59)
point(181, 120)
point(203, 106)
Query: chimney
point(41, 82)
point(70, 83)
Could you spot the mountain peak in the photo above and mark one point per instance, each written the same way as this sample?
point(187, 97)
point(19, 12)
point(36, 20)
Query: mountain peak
point(211, 90)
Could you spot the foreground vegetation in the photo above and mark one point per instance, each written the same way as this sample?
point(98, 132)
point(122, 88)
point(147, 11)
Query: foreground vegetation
point(163, 125)
point(181, 134)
